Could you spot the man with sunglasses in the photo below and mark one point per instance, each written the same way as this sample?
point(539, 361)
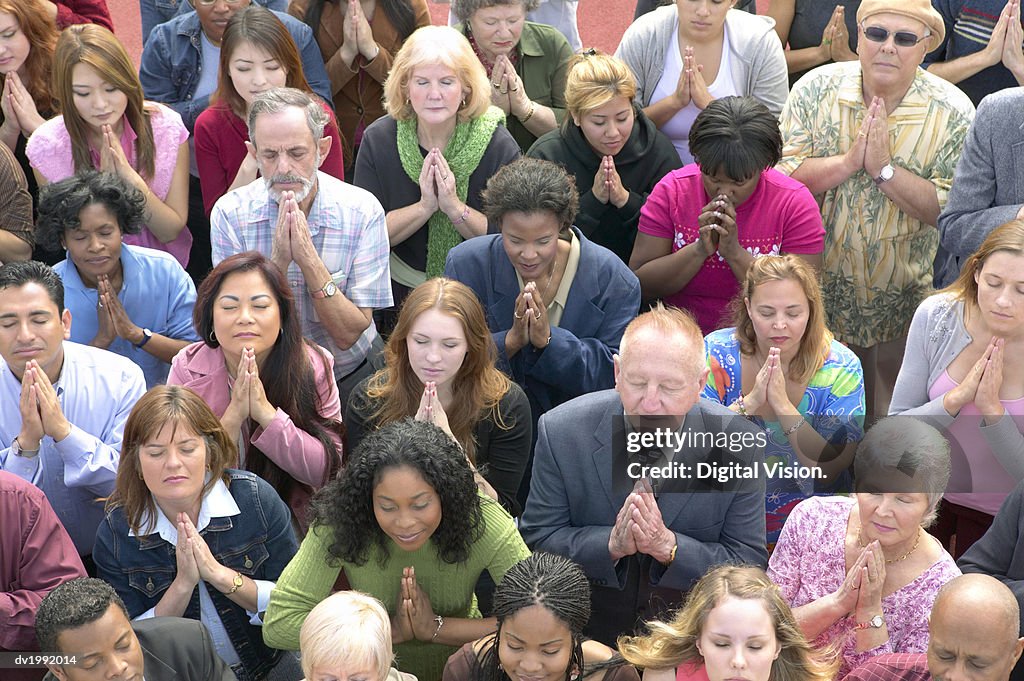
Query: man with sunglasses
point(877, 141)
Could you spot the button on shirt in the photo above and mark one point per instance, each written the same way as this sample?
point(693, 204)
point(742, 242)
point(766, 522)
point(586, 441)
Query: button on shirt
point(96, 390)
point(157, 294)
point(348, 230)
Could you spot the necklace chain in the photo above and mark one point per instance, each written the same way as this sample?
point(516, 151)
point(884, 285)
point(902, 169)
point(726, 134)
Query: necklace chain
point(888, 561)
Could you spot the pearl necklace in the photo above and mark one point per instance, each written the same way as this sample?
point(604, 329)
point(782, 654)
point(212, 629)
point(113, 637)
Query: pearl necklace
point(860, 542)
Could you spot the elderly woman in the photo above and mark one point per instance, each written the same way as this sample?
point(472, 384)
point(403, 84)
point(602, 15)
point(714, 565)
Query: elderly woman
point(407, 524)
point(525, 62)
point(861, 573)
point(780, 367)
point(348, 636)
point(734, 619)
point(556, 302)
point(428, 160)
point(705, 223)
point(184, 536)
point(611, 148)
point(877, 140)
point(131, 300)
point(960, 373)
point(359, 40)
point(272, 389)
point(688, 54)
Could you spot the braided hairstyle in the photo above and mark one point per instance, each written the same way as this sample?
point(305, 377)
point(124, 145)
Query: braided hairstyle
point(551, 581)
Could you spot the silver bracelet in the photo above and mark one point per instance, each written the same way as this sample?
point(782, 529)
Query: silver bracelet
point(440, 623)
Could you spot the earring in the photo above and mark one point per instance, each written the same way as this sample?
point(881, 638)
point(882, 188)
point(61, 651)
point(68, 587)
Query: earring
point(463, 105)
point(212, 336)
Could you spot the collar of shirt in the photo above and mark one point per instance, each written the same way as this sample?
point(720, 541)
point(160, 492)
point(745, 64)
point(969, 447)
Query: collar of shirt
point(851, 94)
point(218, 503)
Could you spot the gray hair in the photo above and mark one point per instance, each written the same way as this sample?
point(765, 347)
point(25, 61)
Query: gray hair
point(278, 99)
point(464, 9)
point(912, 447)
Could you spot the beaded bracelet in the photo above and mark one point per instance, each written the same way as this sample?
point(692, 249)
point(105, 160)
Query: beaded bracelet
point(462, 218)
point(797, 426)
point(740, 406)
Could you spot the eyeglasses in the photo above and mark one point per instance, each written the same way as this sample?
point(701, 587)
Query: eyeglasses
point(211, 3)
point(878, 34)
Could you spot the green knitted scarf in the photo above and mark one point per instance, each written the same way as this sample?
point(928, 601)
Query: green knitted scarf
point(463, 153)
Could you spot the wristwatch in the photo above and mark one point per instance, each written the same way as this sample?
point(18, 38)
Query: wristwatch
point(23, 453)
point(328, 290)
point(875, 622)
point(146, 336)
point(236, 584)
point(885, 174)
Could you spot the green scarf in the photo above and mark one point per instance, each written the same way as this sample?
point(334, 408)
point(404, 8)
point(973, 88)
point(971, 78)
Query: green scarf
point(463, 153)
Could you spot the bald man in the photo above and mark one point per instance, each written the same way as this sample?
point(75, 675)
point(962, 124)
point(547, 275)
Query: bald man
point(974, 628)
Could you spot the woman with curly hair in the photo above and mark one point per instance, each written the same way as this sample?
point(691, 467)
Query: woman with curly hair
point(272, 389)
point(541, 606)
point(441, 348)
point(133, 301)
point(407, 524)
point(733, 618)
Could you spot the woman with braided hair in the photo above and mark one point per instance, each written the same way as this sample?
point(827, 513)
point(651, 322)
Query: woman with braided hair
point(541, 605)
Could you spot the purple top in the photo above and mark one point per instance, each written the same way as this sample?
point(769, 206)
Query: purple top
point(49, 152)
point(809, 562)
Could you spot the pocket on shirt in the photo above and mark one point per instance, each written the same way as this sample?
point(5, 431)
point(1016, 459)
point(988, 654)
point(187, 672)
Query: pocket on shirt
point(150, 581)
point(247, 559)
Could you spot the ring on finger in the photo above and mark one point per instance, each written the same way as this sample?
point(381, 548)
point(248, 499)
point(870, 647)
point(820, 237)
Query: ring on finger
point(537, 315)
point(495, 85)
point(517, 315)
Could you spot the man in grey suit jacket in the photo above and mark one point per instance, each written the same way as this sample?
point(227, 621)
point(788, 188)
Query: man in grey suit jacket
point(988, 186)
point(86, 618)
point(646, 521)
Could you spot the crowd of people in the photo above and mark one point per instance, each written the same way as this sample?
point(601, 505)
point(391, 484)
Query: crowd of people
point(377, 350)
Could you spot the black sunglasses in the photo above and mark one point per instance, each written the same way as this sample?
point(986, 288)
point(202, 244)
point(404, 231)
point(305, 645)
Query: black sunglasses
point(878, 34)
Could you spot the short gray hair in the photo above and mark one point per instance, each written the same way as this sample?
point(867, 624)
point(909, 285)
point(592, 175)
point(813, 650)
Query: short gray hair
point(278, 99)
point(912, 447)
point(464, 9)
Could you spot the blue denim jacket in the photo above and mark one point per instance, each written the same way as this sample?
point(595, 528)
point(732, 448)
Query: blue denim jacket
point(155, 12)
point(258, 542)
point(172, 62)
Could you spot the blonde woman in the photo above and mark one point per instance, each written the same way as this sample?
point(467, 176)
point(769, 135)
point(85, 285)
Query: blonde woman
point(610, 147)
point(729, 608)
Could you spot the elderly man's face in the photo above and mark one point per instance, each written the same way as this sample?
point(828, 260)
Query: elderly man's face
point(657, 378)
point(886, 64)
point(963, 647)
point(286, 152)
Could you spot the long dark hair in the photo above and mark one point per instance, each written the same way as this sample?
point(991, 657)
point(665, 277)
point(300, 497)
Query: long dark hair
point(345, 505)
point(398, 12)
point(288, 377)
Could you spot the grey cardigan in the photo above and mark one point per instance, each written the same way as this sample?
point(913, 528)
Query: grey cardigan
point(988, 187)
point(937, 336)
point(758, 60)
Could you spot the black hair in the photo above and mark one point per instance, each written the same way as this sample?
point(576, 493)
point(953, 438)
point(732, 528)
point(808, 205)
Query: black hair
point(530, 185)
point(18, 274)
point(345, 505)
point(398, 12)
point(62, 202)
point(551, 581)
point(71, 605)
point(737, 135)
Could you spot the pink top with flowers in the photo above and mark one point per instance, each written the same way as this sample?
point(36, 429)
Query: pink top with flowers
point(49, 152)
point(781, 216)
point(809, 562)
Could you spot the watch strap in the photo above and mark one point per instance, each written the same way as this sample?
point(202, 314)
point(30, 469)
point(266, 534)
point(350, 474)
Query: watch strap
point(236, 584)
point(146, 336)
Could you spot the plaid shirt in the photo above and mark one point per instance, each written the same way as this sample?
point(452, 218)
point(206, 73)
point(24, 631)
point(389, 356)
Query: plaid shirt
point(348, 230)
point(892, 667)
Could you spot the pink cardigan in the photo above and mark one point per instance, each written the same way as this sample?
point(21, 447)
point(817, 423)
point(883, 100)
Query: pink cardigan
point(296, 452)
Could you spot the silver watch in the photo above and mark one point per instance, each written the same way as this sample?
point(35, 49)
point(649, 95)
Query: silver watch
point(886, 173)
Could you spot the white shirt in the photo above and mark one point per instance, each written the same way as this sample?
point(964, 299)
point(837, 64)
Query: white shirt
point(96, 390)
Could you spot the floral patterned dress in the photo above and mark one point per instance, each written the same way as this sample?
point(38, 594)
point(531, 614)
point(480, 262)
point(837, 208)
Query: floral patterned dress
point(833, 405)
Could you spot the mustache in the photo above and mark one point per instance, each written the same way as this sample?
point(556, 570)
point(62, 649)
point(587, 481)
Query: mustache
point(289, 179)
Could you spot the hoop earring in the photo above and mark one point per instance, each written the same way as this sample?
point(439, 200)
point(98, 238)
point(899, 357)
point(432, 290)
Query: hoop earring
point(213, 336)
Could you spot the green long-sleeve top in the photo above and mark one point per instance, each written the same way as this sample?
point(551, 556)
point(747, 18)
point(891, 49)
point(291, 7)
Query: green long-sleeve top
point(308, 579)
